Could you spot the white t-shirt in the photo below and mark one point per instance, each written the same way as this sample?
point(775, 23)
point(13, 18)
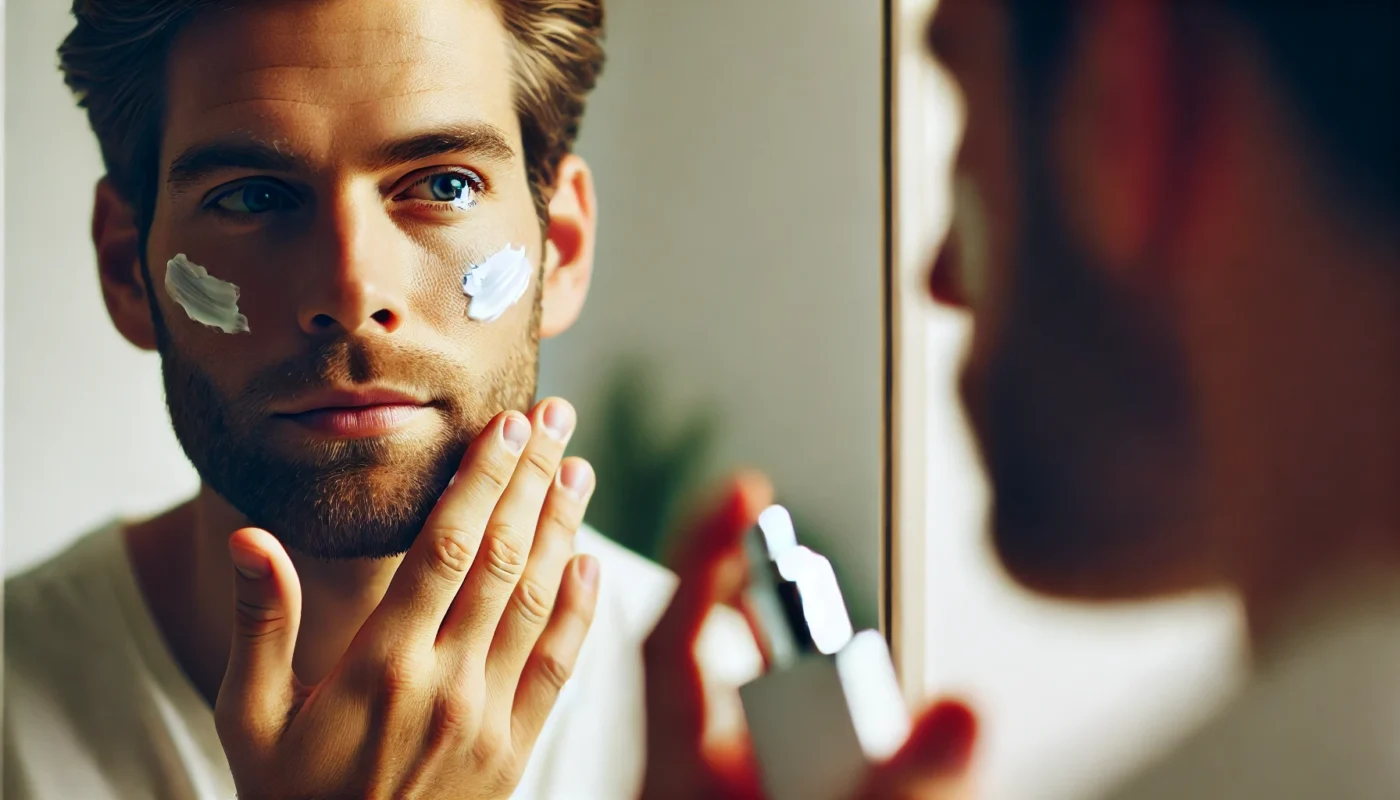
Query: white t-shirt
point(1319, 717)
point(96, 707)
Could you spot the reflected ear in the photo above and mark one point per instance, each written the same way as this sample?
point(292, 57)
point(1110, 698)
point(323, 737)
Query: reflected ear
point(118, 245)
point(569, 243)
point(1115, 137)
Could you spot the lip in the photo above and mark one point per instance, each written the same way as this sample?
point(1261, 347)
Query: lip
point(341, 413)
point(347, 399)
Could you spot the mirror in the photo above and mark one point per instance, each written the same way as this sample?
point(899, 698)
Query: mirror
point(734, 317)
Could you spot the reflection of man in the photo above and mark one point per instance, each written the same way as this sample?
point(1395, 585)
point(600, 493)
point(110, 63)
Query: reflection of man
point(294, 194)
point(1186, 362)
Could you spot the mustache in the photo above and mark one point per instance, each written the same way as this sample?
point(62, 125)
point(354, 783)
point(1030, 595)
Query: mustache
point(353, 362)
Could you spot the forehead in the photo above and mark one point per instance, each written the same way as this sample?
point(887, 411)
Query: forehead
point(330, 75)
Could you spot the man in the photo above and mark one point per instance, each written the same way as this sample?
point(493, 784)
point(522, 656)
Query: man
point(344, 226)
point(1179, 237)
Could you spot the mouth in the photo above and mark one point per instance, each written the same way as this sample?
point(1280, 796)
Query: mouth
point(353, 414)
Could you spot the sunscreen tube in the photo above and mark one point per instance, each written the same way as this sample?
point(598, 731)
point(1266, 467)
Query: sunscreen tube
point(829, 703)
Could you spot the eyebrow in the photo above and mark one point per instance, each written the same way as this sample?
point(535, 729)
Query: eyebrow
point(483, 141)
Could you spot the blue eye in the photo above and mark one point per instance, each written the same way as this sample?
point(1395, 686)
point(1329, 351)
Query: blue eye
point(448, 187)
point(458, 188)
point(255, 198)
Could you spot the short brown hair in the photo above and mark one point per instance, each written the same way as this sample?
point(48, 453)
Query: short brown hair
point(1337, 64)
point(114, 61)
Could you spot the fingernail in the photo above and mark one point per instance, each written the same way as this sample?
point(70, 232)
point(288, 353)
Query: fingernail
point(588, 571)
point(577, 477)
point(253, 566)
point(516, 432)
point(559, 419)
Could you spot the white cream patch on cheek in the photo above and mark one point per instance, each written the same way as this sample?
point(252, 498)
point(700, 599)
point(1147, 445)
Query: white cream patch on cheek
point(206, 299)
point(970, 226)
point(497, 283)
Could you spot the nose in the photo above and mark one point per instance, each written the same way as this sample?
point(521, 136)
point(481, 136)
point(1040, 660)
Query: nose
point(361, 283)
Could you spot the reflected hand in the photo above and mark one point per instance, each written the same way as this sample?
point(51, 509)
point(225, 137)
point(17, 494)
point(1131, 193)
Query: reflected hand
point(934, 763)
point(685, 757)
point(444, 689)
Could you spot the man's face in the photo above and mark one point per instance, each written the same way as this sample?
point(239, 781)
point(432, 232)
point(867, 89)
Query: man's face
point(344, 164)
point(1072, 385)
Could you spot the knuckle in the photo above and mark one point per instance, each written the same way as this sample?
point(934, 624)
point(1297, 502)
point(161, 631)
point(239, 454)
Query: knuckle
point(552, 669)
point(452, 716)
point(532, 604)
point(562, 514)
point(399, 676)
point(578, 612)
point(492, 477)
point(491, 747)
point(257, 621)
point(539, 465)
point(506, 553)
point(452, 552)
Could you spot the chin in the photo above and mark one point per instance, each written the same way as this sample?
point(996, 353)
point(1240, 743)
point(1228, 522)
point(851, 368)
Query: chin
point(1096, 556)
point(364, 513)
point(356, 501)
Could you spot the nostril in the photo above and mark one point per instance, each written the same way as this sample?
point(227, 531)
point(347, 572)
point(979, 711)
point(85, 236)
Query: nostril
point(386, 319)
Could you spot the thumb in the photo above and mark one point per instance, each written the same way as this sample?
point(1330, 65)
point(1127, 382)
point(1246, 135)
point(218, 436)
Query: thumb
point(259, 688)
point(935, 761)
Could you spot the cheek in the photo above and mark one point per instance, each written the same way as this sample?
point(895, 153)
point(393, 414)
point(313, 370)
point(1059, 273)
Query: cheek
point(481, 294)
point(496, 285)
point(435, 290)
point(202, 280)
point(205, 299)
point(227, 362)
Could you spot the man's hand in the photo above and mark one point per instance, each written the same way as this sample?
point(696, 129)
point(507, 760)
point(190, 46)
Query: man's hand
point(444, 689)
point(934, 763)
point(685, 758)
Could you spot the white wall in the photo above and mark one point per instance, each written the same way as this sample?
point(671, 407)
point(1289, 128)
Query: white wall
point(737, 151)
point(1071, 696)
point(85, 431)
point(738, 145)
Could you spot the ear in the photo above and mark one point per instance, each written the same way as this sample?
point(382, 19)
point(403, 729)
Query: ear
point(117, 242)
point(569, 243)
point(1114, 143)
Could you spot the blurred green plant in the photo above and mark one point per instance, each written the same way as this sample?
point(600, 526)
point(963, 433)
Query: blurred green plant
point(645, 469)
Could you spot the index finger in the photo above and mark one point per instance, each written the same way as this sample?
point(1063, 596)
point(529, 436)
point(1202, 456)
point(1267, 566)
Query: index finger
point(425, 584)
point(713, 568)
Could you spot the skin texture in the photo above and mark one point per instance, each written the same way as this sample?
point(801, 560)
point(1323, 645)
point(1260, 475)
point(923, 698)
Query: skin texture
point(425, 674)
point(353, 275)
